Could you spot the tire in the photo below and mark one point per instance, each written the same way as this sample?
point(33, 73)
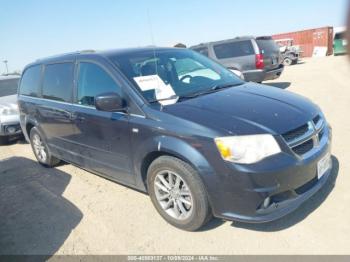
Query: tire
point(41, 150)
point(287, 61)
point(190, 189)
point(4, 140)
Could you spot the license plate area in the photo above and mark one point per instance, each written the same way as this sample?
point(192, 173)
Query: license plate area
point(324, 165)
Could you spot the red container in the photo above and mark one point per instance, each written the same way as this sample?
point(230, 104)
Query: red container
point(309, 39)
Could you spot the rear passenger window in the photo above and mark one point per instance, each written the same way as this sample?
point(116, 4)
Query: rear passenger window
point(202, 50)
point(92, 81)
point(58, 82)
point(31, 81)
point(234, 49)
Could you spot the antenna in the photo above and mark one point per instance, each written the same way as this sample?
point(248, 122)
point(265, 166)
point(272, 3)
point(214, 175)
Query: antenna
point(152, 39)
point(154, 49)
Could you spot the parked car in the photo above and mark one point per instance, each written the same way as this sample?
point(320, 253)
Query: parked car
point(9, 115)
point(340, 44)
point(258, 58)
point(181, 127)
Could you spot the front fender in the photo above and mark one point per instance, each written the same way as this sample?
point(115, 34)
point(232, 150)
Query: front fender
point(171, 146)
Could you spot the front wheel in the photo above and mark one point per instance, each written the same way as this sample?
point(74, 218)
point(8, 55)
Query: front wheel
point(41, 150)
point(178, 194)
point(287, 61)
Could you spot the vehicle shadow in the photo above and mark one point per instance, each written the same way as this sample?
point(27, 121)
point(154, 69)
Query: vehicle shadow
point(281, 85)
point(35, 219)
point(213, 223)
point(302, 212)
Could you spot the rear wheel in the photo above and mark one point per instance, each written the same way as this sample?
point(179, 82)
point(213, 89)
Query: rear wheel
point(41, 150)
point(178, 194)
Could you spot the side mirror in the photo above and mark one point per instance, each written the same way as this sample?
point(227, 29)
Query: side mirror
point(110, 102)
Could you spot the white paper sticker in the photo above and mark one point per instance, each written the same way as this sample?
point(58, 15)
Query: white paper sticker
point(149, 82)
point(154, 82)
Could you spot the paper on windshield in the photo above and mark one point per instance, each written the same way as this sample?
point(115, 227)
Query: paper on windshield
point(162, 90)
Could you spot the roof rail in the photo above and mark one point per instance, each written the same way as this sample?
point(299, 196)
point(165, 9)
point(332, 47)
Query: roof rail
point(87, 51)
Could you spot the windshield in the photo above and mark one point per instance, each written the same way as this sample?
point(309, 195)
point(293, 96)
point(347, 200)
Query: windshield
point(162, 74)
point(8, 87)
point(268, 46)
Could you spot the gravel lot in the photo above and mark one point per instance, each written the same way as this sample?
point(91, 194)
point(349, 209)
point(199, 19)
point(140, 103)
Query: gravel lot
point(69, 211)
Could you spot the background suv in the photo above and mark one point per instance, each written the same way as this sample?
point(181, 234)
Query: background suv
point(259, 58)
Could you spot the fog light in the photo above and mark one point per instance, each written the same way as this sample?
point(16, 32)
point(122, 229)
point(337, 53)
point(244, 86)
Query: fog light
point(267, 202)
point(11, 130)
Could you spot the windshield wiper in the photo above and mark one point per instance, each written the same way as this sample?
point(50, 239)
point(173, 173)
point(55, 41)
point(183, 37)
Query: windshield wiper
point(223, 86)
point(164, 99)
point(213, 89)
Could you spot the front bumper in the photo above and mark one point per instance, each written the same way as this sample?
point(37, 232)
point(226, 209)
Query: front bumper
point(287, 180)
point(10, 126)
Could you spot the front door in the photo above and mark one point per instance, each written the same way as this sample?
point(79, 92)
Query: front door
point(101, 138)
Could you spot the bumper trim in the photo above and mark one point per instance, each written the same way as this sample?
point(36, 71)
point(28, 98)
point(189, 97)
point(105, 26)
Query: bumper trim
point(280, 209)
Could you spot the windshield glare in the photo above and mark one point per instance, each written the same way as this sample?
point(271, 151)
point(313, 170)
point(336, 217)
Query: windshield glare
point(8, 87)
point(161, 74)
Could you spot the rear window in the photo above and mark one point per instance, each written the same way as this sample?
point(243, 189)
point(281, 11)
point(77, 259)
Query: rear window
point(268, 46)
point(58, 82)
point(234, 49)
point(8, 87)
point(31, 81)
point(202, 50)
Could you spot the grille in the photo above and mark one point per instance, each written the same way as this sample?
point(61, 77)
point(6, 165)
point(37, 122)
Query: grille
point(321, 134)
point(316, 120)
point(304, 138)
point(303, 148)
point(291, 135)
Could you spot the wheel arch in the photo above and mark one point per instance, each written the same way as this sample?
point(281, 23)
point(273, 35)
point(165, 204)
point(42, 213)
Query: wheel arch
point(169, 146)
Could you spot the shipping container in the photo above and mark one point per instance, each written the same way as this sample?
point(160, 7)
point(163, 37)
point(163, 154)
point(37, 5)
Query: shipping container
point(309, 39)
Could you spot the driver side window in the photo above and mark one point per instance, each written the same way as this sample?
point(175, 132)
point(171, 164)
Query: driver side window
point(92, 81)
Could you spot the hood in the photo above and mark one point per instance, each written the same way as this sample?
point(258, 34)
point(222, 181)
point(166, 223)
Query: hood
point(9, 101)
point(247, 109)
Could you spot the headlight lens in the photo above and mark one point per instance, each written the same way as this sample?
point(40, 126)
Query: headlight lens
point(247, 149)
point(8, 111)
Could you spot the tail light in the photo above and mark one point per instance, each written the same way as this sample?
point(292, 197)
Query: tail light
point(259, 61)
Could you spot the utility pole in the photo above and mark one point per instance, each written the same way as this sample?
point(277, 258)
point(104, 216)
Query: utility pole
point(7, 69)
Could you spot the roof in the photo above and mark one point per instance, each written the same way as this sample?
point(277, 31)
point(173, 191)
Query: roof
point(6, 77)
point(106, 53)
point(225, 41)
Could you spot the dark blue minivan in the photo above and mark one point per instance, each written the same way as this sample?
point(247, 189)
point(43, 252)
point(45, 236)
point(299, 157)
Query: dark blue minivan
point(179, 126)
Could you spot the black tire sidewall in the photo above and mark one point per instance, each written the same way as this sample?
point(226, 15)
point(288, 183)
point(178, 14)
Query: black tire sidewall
point(4, 140)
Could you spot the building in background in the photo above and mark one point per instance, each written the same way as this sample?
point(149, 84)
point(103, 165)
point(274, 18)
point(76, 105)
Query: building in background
point(312, 42)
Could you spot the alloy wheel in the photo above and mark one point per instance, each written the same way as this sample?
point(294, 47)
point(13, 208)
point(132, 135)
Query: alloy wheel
point(173, 195)
point(39, 148)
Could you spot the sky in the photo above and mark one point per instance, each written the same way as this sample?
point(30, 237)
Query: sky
point(32, 29)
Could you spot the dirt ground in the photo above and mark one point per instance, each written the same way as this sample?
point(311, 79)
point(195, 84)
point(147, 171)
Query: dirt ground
point(69, 211)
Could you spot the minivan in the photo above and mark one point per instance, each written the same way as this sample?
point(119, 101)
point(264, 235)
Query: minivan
point(180, 127)
point(258, 58)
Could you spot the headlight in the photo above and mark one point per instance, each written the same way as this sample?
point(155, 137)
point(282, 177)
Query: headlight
point(8, 111)
point(247, 149)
